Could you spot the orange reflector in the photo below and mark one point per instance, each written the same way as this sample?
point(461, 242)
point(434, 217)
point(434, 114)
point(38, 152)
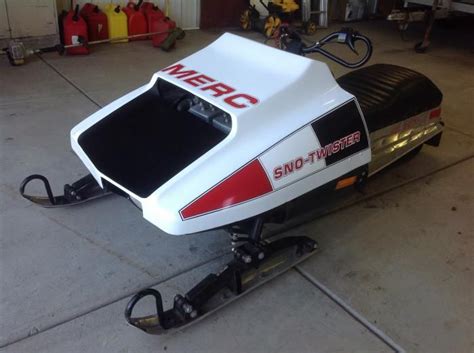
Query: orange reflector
point(344, 183)
point(435, 113)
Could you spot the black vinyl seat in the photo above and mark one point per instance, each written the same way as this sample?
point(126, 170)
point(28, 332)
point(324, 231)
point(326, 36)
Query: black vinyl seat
point(388, 94)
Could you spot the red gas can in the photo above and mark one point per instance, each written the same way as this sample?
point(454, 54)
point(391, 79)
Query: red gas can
point(87, 9)
point(136, 20)
point(153, 16)
point(97, 27)
point(145, 6)
point(171, 23)
point(75, 31)
point(163, 25)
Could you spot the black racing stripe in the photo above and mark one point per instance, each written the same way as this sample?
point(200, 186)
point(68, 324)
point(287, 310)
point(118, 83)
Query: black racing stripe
point(338, 124)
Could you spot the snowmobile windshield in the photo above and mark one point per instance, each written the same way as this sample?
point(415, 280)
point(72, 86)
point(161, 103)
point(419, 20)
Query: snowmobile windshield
point(150, 139)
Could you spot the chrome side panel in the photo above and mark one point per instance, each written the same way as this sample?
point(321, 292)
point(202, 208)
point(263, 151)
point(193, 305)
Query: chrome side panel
point(393, 142)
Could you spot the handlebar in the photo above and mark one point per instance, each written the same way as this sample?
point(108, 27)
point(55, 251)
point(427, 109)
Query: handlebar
point(292, 42)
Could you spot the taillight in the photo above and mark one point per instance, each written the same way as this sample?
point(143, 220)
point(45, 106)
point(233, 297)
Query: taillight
point(247, 183)
point(436, 113)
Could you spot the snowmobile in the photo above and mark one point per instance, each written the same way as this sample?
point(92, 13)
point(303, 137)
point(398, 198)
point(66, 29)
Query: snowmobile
point(223, 140)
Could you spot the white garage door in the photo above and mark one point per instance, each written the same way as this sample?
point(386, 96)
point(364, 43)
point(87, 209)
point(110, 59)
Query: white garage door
point(4, 28)
point(29, 18)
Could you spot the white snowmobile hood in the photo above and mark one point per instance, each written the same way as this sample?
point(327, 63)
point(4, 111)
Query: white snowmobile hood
point(270, 95)
point(259, 75)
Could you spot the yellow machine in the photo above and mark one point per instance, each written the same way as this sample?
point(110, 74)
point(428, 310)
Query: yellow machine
point(287, 5)
point(117, 22)
point(279, 12)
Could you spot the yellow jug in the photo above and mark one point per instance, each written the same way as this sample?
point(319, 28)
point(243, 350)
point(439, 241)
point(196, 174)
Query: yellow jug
point(117, 22)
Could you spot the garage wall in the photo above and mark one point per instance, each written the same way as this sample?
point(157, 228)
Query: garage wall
point(219, 13)
point(186, 13)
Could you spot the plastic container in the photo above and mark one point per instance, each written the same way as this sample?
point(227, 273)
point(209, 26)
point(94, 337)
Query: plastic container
point(117, 22)
point(87, 9)
point(136, 20)
point(145, 6)
point(152, 14)
point(163, 25)
point(97, 25)
point(75, 32)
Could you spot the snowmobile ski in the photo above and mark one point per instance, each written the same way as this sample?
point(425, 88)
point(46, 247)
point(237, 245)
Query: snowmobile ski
point(253, 265)
point(83, 190)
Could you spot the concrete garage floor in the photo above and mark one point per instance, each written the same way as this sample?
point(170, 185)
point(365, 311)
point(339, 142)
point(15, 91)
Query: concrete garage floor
point(395, 270)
